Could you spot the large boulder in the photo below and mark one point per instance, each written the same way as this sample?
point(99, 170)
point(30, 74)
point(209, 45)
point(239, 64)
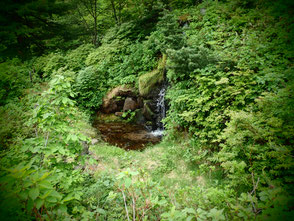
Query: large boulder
point(130, 104)
point(149, 82)
point(114, 99)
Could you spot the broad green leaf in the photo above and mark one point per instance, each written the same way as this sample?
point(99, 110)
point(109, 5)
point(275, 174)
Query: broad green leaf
point(189, 218)
point(101, 211)
point(69, 197)
point(23, 195)
point(189, 210)
point(74, 137)
point(45, 175)
point(62, 208)
point(61, 151)
point(39, 202)
point(56, 195)
point(34, 193)
point(45, 185)
point(27, 183)
point(47, 193)
point(30, 205)
point(51, 199)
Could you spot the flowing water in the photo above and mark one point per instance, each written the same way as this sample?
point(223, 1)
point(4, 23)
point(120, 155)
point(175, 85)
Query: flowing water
point(161, 110)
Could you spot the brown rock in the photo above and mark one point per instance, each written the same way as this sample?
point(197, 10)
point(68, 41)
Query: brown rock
point(111, 107)
point(140, 102)
point(130, 104)
point(114, 100)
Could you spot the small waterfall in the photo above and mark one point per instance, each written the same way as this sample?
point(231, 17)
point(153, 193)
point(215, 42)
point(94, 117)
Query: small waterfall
point(161, 110)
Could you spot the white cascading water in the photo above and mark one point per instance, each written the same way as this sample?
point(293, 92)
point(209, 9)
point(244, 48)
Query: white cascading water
point(160, 107)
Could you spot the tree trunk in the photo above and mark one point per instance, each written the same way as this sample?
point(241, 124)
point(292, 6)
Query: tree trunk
point(95, 23)
point(114, 12)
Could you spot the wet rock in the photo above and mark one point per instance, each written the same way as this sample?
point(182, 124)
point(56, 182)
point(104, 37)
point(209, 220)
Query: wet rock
point(111, 107)
point(140, 102)
point(141, 136)
point(139, 117)
point(147, 112)
point(130, 104)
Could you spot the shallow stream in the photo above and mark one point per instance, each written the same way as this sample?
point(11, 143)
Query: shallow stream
point(127, 136)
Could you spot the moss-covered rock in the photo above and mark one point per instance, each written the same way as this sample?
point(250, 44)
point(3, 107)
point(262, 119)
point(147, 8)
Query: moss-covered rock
point(162, 63)
point(147, 112)
point(149, 81)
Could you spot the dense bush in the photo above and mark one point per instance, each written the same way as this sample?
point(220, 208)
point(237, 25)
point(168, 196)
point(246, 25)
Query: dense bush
point(34, 168)
point(75, 59)
point(90, 87)
point(47, 64)
point(234, 97)
point(15, 77)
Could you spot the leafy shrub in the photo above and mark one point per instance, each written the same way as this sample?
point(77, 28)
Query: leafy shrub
point(168, 35)
point(235, 101)
point(47, 64)
point(131, 194)
point(138, 58)
point(32, 172)
point(228, 74)
point(267, 136)
point(15, 76)
point(12, 122)
point(105, 53)
point(75, 59)
point(183, 62)
point(90, 87)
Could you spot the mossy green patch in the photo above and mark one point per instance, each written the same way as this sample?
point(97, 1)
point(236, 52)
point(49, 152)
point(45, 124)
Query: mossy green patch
point(162, 63)
point(106, 151)
point(147, 82)
point(150, 80)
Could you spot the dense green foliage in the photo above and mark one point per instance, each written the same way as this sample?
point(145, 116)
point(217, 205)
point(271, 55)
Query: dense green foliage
point(228, 149)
